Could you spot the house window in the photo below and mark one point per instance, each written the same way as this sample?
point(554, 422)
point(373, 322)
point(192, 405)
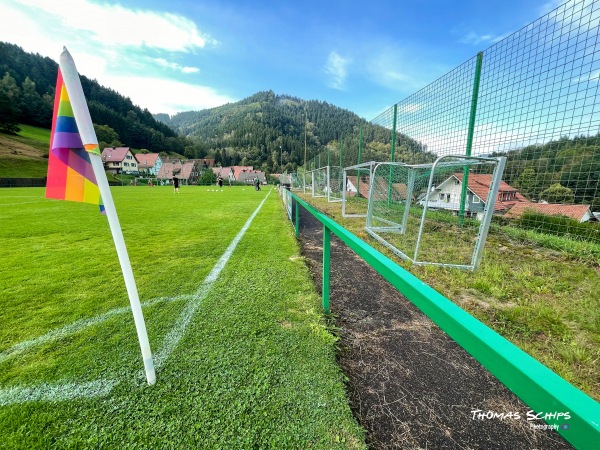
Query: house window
point(476, 199)
point(442, 197)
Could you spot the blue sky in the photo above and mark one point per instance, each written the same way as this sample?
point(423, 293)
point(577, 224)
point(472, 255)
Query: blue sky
point(181, 55)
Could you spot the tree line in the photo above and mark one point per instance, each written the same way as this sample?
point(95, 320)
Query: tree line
point(565, 170)
point(27, 89)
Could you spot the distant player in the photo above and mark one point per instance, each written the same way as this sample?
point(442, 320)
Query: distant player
point(175, 185)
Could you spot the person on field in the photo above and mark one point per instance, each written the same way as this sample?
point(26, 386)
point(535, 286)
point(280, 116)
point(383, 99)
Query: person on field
point(220, 181)
point(175, 185)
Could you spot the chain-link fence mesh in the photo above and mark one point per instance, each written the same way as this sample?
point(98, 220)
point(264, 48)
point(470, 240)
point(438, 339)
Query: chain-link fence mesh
point(531, 97)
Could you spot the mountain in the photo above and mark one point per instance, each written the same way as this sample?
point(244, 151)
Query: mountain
point(266, 130)
point(27, 85)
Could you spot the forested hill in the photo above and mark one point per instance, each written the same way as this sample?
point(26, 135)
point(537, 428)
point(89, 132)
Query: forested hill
point(266, 128)
point(27, 84)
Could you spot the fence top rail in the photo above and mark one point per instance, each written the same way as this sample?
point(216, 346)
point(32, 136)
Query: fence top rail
point(538, 386)
point(361, 165)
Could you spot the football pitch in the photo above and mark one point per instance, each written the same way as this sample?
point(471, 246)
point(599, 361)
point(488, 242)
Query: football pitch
point(243, 356)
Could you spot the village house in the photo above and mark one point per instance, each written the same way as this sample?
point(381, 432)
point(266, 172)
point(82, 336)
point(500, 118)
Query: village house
point(149, 163)
point(241, 174)
point(186, 171)
point(248, 176)
point(119, 160)
point(447, 195)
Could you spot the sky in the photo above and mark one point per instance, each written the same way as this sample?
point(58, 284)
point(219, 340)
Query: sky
point(183, 55)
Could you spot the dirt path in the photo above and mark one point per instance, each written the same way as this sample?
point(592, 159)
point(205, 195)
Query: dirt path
point(410, 385)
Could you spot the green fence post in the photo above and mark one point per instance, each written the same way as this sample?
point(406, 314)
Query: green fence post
point(463, 192)
point(393, 152)
point(341, 165)
point(326, 267)
point(358, 162)
point(297, 220)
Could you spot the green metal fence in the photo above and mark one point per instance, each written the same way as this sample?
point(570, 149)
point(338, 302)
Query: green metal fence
point(531, 381)
point(532, 97)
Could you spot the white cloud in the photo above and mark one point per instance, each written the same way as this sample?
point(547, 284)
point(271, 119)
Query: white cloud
point(473, 38)
point(336, 68)
point(166, 96)
point(120, 48)
point(190, 70)
point(172, 65)
point(549, 6)
point(114, 25)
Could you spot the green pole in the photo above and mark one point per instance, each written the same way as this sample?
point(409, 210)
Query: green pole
point(463, 192)
point(326, 267)
point(297, 220)
point(328, 155)
point(359, 152)
point(340, 181)
point(393, 152)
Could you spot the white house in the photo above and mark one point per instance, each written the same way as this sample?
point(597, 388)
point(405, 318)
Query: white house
point(119, 159)
point(447, 195)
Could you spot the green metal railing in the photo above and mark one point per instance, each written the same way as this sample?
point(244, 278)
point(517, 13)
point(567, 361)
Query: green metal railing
point(536, 385)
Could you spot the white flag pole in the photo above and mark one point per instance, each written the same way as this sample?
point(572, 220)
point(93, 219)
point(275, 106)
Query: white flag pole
point(88, 136)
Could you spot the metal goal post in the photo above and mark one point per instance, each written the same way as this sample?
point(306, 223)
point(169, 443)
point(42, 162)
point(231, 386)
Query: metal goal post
point(435, 214)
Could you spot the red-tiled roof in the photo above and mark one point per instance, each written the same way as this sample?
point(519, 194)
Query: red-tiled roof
point(479, 184)
point(237, 170)
point(175, 168)
point(146, 160)
point(576, 212)
point(115, 154)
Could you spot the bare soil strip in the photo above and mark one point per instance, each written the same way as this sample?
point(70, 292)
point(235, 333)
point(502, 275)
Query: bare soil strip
point(410, 385)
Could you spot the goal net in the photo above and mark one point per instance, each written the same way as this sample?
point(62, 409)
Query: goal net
point(435, 214)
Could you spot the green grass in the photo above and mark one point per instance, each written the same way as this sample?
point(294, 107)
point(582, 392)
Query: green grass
point(255, 368)
point(541, 292)
point(28, 159)
point(41, 135)
point(18, 167)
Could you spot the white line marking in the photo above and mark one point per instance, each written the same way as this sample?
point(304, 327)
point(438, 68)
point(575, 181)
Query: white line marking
point(102, 387)
point(172, 339)
point(56, 392)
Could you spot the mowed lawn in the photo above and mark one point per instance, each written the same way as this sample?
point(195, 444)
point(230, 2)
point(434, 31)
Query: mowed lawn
point(244, 362)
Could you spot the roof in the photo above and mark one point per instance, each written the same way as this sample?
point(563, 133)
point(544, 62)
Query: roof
point(146, 160)
point(176, 168)
point(237, 170)
point(479, 184)
point(576, 212)
point(399, 189)
point(251, 175)
point(116, 154)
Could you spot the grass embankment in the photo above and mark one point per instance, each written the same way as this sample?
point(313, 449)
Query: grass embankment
point(24, 155)
point(255, 366)
point(540, 292)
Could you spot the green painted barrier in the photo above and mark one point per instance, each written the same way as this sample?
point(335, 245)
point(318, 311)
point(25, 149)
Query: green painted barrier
point(537, 386)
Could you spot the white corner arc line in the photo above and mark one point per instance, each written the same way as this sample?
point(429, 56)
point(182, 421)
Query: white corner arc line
point(71, 390)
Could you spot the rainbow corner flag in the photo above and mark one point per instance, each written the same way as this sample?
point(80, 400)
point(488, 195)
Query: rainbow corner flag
point(70, 173)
